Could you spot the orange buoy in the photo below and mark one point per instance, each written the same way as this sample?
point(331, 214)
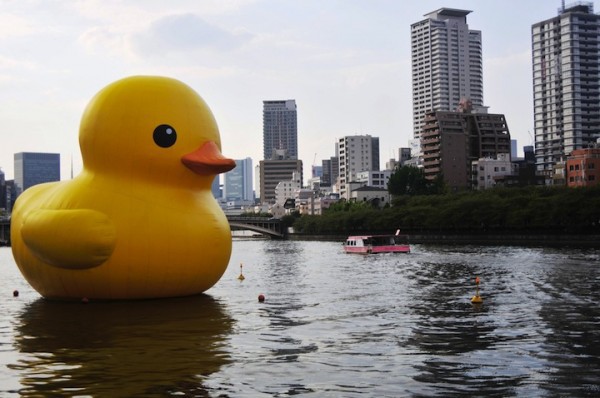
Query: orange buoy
point(241, 277)
point(476, 299)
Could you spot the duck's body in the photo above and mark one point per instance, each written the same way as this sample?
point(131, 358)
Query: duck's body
point(140, 220)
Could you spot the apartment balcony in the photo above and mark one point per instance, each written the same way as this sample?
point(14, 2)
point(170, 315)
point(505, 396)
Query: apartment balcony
point(431, 161)
point(430, 149)
point(432, 170)
point(429, 138)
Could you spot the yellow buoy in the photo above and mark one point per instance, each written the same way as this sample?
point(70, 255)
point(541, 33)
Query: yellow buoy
point(476, 299)
point(241, 277)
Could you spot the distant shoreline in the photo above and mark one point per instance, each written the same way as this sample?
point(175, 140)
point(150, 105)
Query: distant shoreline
point(562, 240)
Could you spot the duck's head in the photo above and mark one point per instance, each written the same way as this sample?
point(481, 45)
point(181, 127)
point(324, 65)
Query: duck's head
point(154, 128)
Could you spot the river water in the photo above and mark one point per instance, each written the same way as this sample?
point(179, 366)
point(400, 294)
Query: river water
point(332, 325)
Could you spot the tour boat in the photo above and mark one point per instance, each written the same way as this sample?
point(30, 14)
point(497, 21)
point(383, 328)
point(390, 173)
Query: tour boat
point(372, 244)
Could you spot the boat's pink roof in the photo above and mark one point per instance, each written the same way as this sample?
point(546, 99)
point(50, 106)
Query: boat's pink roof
point(370, 236)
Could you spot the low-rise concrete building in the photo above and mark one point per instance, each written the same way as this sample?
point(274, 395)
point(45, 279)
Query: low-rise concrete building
point(377, 179)
point(487, 171)
point(376, 196)
point(286, 189)
point(583, 167)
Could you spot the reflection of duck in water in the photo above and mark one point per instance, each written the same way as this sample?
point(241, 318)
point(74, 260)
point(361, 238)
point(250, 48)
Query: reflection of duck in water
point(141, 348)
point(140, 220)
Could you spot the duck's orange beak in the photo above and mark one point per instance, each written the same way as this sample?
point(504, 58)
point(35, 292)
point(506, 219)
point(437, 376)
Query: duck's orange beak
point(208, 160)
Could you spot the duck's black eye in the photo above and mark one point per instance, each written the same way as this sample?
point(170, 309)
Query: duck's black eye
point(164, 136)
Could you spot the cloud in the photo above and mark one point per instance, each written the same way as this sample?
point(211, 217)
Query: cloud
point(184, 32)
point(12, 64)
point(103, 39)
point(14, 26)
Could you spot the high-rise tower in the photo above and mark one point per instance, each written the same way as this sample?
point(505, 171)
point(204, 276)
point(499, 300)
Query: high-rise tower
point(566, 92)
point(446, 64)
point(238, 182)
point(280, 128)
point(32, 168)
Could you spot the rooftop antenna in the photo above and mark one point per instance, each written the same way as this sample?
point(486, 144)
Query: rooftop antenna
point(563, 5)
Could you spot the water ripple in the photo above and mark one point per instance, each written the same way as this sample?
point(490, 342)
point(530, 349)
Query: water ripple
point(331, 325)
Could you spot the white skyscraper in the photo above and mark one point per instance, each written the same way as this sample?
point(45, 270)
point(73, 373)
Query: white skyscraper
point(446, 64)
point(356, 153)
point(566, 92)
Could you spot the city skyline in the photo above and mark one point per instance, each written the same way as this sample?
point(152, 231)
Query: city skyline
point(346, 63)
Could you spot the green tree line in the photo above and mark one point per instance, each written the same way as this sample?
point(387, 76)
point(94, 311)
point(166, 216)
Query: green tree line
point(500, 210)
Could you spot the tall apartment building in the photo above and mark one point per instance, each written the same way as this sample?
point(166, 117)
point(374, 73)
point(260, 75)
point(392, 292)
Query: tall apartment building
point(237, 183)
point(446, 64)
point(356, 153)
point(280, 128)
point(566, 92)
point(453, 140)
point(32, 168)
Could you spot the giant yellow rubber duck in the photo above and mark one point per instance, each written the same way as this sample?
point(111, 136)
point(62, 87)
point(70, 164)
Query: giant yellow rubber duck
point(140, 220)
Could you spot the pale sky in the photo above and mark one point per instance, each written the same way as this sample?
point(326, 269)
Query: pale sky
point(345, 62)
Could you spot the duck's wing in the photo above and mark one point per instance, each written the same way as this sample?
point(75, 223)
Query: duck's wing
point(72, 239)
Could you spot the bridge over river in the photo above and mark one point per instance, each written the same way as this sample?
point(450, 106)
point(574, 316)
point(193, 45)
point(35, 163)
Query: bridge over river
point(267, 226)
